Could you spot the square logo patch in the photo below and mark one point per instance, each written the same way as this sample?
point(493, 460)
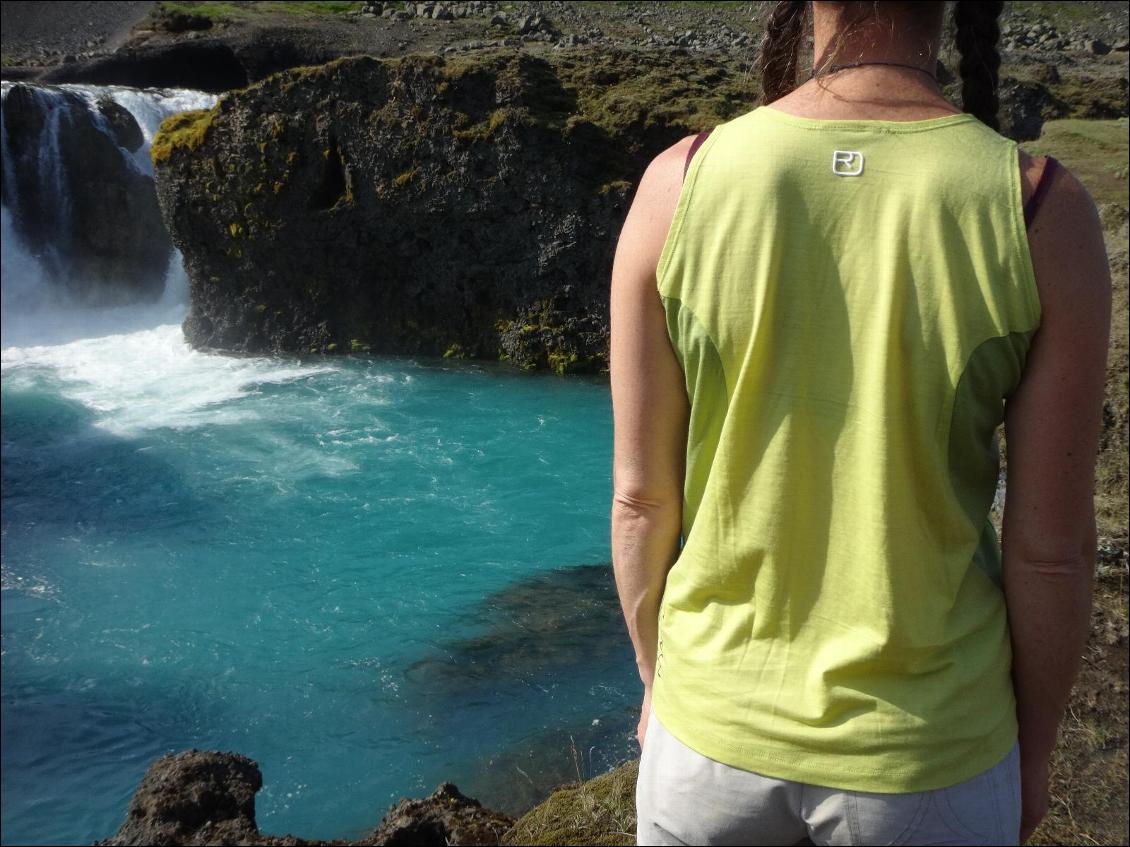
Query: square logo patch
point(847, 162)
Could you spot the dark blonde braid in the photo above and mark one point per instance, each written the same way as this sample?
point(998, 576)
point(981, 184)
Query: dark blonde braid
point(976, 33)
point(780, 48)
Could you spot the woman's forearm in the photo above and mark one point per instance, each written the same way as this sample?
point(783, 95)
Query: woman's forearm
point(645, 544)
point(1049, 611)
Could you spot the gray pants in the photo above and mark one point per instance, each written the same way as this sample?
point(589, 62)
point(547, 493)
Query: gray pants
point(683, 797)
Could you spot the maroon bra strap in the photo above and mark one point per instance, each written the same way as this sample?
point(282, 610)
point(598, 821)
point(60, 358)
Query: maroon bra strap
point(698, 139)
point(1033, 204)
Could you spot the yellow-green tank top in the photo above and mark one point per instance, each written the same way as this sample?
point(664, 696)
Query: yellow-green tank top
point(851, 302)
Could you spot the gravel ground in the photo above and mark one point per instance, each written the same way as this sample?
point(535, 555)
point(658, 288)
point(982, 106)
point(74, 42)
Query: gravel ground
point(62, 27)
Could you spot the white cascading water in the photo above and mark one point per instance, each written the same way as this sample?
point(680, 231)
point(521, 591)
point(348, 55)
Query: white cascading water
point(129, 363)
point(33, 311)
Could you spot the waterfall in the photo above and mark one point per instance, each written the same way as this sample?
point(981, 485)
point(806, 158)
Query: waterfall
point(58, 279)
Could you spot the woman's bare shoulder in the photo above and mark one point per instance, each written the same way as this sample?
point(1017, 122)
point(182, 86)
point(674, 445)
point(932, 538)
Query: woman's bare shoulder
point(657, 195)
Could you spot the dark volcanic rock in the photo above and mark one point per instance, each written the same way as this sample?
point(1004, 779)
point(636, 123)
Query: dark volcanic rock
point(463, 206)
point(1025, 105)
point(122, 124)
point(446, 817)
point(194, 797)
point(419, 206)
point(77, 197)
point(207, 64)
point(208, 797)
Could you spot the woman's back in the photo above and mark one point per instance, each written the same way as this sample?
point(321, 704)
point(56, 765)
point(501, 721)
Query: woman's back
point(807, 375)
point(850, 311)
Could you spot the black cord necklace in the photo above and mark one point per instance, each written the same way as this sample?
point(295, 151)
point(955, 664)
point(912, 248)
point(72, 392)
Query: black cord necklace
point(835, 68)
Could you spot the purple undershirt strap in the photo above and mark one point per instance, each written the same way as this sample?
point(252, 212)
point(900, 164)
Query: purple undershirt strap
point(1033, 204)
point(698, 139)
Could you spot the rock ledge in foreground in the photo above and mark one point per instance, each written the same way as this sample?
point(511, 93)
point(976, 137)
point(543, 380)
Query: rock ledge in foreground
point(208, 797)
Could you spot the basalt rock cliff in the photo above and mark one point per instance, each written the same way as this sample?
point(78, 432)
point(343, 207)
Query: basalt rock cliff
point(466, 206)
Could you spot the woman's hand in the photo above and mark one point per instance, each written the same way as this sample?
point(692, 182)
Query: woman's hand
point(1033, 797)
point(645, 714)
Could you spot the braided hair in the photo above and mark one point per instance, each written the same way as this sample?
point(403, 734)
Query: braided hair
point(976, 33)
point(780, 48)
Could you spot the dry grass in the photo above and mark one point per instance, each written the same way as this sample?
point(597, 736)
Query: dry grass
point(599, 811)
point(1089, 768)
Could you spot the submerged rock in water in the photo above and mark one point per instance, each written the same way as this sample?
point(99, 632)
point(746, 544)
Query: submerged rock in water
point(78, 199)
point(208, 797)
point(546, 624)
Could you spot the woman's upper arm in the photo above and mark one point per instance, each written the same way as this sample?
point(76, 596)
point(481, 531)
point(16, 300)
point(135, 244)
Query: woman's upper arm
point(649, 399)
point(1054, 419)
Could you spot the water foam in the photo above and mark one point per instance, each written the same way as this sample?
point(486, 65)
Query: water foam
point(149, 378)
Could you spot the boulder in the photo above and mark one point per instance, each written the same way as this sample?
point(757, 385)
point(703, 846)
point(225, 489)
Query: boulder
point(208, 797)
point(1025, 105)
point(123, 126)
point(193, 797)
point(416, 206)
point(446, 817)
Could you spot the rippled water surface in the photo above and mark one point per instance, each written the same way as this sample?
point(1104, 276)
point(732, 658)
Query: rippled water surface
point(370, 575)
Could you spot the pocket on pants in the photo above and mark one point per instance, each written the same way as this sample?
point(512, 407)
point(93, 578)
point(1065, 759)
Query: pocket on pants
point(981, 810)
point(986, 809)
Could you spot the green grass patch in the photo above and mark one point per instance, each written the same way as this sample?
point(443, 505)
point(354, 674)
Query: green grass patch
point(1056, 13)
point(308, 9)
point(236, 11)
point(218, 11)
point(1095, 151)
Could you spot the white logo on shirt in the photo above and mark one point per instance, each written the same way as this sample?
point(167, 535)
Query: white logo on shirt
point(847, 163)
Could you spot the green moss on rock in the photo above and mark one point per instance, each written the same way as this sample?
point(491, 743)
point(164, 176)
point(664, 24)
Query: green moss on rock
point(485, 129)
point(406, 177)
point(186, 130)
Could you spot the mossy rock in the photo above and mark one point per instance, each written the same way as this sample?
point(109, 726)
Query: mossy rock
point(187, 130)
point(599, 811)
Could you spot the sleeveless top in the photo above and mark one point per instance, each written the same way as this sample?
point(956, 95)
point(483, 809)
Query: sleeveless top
point(851, 302)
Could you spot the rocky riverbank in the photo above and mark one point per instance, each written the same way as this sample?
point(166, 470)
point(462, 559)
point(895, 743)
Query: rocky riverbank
point(460, 205)
point(207, 797)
